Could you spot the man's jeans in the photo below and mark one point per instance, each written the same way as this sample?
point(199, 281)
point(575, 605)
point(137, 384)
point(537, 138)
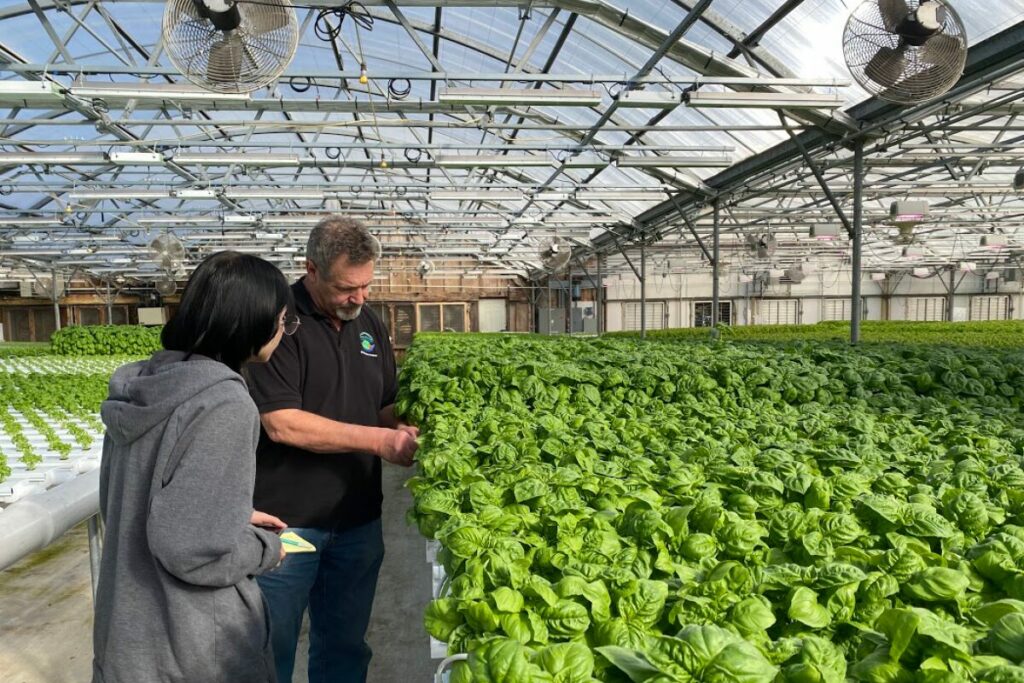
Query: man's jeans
point(337, 582)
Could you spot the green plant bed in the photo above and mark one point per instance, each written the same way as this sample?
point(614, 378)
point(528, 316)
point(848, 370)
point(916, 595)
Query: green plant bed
point(107, 340)
point(999, 334)
point(618, 510)
point(24, 349)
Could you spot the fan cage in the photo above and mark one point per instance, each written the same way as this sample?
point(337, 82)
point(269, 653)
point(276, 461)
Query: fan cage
point(926, 72)
point(248, 58)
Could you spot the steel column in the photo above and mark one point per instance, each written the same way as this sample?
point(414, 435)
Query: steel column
point(55, 298)
point(952, 294)
point(110, 305)
point(643, 290)
point(858, 232)
point(715, 272)
point(569, 307)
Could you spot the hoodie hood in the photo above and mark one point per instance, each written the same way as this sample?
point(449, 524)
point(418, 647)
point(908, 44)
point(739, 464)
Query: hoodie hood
point(144, 394)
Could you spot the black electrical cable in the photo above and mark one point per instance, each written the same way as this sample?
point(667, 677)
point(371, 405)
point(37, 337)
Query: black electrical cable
point(332, 152)
point(6, 190)
point(413, 155)
point(399, 88)
point(294, 81)
point(326, 30)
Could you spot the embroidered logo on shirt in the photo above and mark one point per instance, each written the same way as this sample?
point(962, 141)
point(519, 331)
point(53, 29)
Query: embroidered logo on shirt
point(367, 345)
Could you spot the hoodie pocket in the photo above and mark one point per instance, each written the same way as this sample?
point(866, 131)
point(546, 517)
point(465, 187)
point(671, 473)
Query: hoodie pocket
point(243, 632)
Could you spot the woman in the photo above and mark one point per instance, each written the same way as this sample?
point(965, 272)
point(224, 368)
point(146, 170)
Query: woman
point(176, 599)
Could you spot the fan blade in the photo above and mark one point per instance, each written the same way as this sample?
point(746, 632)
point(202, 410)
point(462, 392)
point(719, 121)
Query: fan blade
point(916, 86)
point(264, 18)
point(894, 12)
point(887, 66)
point(939, 49)
point(225, 64)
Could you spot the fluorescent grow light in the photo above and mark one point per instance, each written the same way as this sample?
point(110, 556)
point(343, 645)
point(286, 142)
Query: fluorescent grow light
point(52, 159)
point(236, 219)
point(195, 193)
point(564, 97)
point(273, 194)
point(178, 220)
point(492, 196)
point(670, 161)
point(553, 196)
point(101, 195)
point(136, 158)
point(29, 222)
point(757, 100)
point(648, 99)
point(621, 195)
point(493, 161)
point(224, 159)
point(29, 93)
point(153, 91)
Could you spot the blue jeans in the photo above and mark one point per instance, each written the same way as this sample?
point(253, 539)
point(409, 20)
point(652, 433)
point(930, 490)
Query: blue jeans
point(337, 582)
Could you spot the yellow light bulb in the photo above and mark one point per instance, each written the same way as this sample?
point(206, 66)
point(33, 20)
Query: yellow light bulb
point(362, 74)
point(383, 163)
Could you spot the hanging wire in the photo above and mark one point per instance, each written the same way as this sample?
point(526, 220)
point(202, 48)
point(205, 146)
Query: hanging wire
point(326, 30)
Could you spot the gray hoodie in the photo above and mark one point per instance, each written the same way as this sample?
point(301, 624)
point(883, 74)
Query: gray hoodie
point(176, 598)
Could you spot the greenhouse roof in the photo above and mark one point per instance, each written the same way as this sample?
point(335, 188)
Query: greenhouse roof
point(486, 128)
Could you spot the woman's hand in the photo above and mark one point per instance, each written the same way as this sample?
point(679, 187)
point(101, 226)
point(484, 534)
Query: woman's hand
point(262, 519)
point(271, 523)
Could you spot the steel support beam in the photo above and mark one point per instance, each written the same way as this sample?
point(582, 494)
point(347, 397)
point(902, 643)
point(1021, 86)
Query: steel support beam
point(818, 175)
point(951, 289)
point(987, 62)
point(715, 272)
point(643, 289)
point(427, 52)
point(672, 39)
point(692, 228)
point(628, 261)
point(858, 231)
point(754, 37)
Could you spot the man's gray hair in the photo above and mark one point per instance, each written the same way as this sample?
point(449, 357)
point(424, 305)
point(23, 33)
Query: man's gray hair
point(337, 236)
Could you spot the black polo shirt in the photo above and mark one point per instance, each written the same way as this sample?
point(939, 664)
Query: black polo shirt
point(346, 375)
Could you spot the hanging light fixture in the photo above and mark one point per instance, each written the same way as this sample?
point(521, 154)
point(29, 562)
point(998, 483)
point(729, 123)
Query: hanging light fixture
point(363, 78)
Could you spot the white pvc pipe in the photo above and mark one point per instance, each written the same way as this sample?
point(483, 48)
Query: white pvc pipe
point(36, 521)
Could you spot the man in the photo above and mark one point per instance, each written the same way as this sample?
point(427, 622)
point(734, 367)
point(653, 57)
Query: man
point(326, 403)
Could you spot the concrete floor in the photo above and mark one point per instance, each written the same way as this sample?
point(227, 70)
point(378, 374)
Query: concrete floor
point(46, 607)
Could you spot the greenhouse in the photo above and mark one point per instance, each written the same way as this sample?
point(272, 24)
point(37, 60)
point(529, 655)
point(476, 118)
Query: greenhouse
point(687, 341)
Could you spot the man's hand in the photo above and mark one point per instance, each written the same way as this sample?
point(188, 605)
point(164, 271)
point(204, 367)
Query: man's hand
point(399, 445)
point(414, 431)
point(266, 521)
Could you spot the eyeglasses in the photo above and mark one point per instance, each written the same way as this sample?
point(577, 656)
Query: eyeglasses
point(291, 324)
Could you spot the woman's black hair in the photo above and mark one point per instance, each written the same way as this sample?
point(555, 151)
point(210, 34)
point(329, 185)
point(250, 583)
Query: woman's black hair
point(229, 309)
